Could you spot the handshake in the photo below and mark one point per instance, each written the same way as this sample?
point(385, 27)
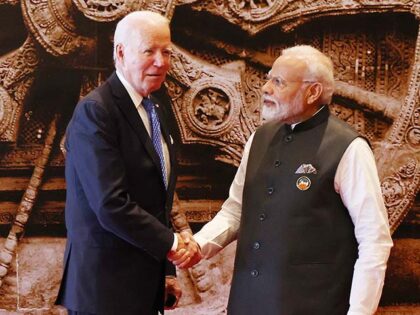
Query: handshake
point(188, 252)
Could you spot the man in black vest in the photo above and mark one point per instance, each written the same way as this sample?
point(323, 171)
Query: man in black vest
point(305, 205)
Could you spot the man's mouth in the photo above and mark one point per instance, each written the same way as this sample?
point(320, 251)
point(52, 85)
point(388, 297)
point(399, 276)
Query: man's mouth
point(268, 102)
point(158, 75)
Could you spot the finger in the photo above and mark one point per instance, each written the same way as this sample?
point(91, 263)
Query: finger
point(180, 255)
point(193, 248)
point(172, 256)
point(183, 260)
point(192, 262)
point(186, 236)
point(185, 264)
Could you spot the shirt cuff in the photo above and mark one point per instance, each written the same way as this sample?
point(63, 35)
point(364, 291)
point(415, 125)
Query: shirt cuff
point(175, 244)
point(208, 248)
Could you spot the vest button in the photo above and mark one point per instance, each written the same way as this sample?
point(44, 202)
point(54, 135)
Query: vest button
point(277, 163)
point(270, 190)
point(256, 245)
point(254, 273)
point(288, 138)
point(262, 216)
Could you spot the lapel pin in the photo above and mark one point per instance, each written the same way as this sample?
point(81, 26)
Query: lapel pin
point(303, 183)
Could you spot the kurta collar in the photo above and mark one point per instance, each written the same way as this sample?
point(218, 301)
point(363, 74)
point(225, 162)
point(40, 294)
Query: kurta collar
point(319, 117)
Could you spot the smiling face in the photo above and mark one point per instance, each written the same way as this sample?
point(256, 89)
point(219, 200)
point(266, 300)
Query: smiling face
point(143, 58)
point(289, 96)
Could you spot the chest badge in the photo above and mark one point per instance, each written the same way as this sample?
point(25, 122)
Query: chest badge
point(303, 183)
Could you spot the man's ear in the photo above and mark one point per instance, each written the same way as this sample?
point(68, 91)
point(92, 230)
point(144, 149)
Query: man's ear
point(119, 52)
point(314, 92)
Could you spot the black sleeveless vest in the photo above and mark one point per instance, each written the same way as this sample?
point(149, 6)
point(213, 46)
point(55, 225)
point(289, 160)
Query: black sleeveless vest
point(296, 246)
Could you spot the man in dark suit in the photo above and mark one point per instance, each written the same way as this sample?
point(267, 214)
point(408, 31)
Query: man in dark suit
point(120, 175)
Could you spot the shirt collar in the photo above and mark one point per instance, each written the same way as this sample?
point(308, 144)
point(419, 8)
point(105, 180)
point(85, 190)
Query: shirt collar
point(294, 125)
point(135, 97)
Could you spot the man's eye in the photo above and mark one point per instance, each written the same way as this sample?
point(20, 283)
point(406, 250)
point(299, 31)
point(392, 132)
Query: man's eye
point(278, 81)
point(148, 52)
point(167, 52)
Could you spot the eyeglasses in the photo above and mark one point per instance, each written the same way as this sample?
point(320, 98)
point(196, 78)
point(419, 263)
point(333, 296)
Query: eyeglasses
point(282, 83)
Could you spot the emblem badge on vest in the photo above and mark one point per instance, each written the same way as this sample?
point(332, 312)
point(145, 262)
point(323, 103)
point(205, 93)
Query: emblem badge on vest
point(303, 183)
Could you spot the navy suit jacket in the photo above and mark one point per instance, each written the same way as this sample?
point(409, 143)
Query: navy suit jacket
point(117, 208)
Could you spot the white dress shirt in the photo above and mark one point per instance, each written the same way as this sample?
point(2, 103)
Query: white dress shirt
point(357, 182)
point(137, 99)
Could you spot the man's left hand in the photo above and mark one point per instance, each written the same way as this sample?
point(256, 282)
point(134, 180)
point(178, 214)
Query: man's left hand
point(173, 292)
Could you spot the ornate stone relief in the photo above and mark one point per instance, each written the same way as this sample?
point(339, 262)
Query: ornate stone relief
point(52, 23)
point(219, 105)
point(16, 76)
point(209, 105)
point(111, 10)
point(399, 157)
point(106, 10)
point(254, 16)
point(10, 2)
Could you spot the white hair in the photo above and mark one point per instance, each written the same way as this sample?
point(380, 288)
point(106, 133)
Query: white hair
point(133, 23)
point(320, 67)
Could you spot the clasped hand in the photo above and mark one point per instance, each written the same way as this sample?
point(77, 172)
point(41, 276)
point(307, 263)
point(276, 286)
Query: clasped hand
point(188, 252)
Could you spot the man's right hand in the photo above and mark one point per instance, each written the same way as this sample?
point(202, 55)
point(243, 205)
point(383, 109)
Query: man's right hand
point(193, 249)
point(181, 253)
point(188, 252)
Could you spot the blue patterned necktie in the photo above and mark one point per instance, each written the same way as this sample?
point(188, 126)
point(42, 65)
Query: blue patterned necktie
point(155, 133)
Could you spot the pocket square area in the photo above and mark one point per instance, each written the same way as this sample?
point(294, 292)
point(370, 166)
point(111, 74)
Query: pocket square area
point(306, 169)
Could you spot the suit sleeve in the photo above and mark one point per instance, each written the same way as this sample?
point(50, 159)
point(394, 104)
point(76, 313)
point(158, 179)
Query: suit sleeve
point(93, 147)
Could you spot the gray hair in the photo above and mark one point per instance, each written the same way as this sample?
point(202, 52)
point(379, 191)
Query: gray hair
point(127, 27)
point(320, 67)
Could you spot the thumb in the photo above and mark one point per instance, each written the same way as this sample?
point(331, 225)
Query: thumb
point(186, 236)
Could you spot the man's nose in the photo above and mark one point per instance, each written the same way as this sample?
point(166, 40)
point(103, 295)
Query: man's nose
point(267, 88)
point(159, 59)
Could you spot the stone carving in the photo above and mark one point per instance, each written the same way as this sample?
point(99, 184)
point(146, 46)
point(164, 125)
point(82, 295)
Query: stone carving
point(254, 16)
point(106, 10)
point(219, 106)
point(399, 188)
point(52, 23)
point(164, 7)
point(210, 108)
point(208, 104)
point(255, 10)
point(10, 2)
point(393, 191)
point(26, 205)
point(16, 77)
point(111, 10)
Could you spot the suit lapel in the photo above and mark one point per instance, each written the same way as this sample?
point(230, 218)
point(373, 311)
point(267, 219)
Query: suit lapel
point(124, 102)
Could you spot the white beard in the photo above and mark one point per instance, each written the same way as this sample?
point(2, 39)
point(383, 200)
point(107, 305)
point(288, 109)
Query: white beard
point(274, 111)
point(281, 112)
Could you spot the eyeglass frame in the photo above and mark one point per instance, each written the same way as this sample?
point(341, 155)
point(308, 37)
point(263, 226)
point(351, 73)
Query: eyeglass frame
point(283, 82)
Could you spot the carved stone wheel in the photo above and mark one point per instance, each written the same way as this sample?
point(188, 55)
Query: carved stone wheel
point(217, 103)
